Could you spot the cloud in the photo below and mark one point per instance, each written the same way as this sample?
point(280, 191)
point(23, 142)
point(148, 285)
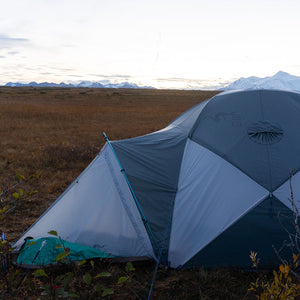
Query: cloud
point(1, 56)
point(119, 76)
point(182, 80)
point(111, 76)
point(9, 42)
point(13, 52)
point(189, 83)
point(69, 45)
point(73, 75)
point(63, 69)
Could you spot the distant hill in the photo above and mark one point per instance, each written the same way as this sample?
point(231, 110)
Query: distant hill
point(280, 80)
point(86, 84)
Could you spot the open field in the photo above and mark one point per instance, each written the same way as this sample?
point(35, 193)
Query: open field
point(55, 133)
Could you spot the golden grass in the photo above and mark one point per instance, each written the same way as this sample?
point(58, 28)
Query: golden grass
point(58, 131)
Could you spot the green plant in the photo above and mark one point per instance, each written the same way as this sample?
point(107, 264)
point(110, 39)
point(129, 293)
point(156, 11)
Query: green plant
point(11, 196)
point(78, 279)
point(9, 199)
point(281, 286)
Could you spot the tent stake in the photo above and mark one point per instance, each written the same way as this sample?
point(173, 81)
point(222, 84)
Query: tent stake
point(154, 274)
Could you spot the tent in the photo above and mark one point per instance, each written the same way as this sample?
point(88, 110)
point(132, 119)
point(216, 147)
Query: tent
point(206, 190)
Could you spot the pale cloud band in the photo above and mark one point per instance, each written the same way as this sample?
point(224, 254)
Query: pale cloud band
point(11, 42)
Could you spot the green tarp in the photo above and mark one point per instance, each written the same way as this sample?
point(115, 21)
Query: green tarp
point(45, 251)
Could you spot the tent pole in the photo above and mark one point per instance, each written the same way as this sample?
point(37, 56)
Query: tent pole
point(145, 221)
point(154, 274)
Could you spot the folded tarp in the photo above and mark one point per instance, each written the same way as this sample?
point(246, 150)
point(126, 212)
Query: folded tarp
point(49, 250)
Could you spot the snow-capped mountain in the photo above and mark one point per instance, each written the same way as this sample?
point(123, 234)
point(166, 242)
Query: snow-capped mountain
point(280, 80)
point(86, 84)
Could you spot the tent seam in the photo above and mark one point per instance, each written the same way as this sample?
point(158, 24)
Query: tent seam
point(174, 202)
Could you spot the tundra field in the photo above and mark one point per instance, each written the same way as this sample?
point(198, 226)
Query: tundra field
point(49, 135)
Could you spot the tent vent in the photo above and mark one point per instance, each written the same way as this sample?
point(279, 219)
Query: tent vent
point(264, 132)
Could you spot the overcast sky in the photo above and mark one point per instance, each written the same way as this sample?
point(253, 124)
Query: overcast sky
point(160, 43)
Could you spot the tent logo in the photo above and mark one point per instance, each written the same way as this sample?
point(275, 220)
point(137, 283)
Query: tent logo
point(233, 117)
point(264, 132)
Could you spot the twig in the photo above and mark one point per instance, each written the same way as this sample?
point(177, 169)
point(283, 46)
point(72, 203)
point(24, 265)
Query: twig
point(284, 263)
point(8, 189)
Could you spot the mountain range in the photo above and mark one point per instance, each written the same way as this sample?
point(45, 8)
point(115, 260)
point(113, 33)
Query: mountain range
point(85, 84)
point(281, 80)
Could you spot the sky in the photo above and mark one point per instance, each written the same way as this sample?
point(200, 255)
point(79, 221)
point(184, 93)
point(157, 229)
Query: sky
point(164, 44)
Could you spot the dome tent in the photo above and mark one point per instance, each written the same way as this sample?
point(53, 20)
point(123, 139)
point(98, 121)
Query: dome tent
point(205, 190)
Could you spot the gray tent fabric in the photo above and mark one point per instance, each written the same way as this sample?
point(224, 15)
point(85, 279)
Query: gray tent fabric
point(225, 122)
point(153, 173)
point(152, 164)
point(211, 186)
point(254, 232)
